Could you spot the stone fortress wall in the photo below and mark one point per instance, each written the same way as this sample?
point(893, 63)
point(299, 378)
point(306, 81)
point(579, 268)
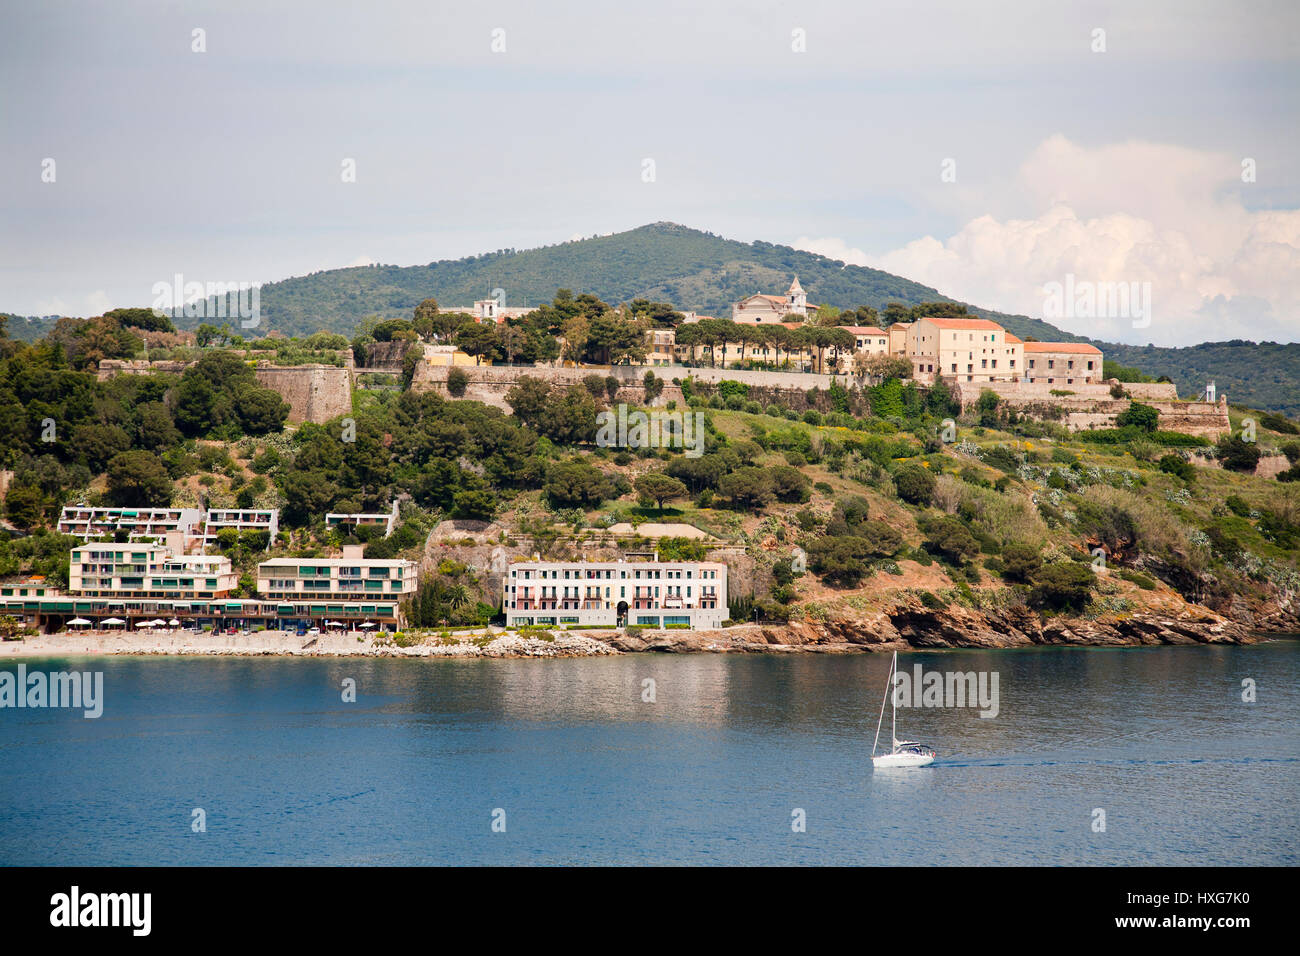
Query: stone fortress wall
point(1092, 406)
point(315, 393)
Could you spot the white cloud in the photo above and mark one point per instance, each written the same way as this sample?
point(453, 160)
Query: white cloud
point(96, 303)
point(1130, 212)
point(360, 261)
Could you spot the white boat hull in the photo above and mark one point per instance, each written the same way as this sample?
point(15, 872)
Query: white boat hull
point(888, 761)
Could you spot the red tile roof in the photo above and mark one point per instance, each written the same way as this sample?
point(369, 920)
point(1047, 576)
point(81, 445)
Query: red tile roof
point(1062, 347)
point(863, 329)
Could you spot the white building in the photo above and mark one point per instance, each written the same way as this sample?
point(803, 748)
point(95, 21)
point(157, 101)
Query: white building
point(140, 570)
point(658, 594)
point(241, 519)
point(350, 577)
point(339, 519)
point(86, 522)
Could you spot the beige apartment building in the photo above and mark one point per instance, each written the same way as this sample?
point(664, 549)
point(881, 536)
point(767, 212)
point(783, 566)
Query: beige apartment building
point(967, 350)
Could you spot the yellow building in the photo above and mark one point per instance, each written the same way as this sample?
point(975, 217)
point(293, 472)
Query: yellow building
point(968, 350)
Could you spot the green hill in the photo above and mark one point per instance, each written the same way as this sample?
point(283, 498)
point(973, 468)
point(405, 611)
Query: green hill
point(662, 262)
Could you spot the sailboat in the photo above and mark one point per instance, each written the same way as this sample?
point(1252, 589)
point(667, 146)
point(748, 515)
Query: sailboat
point(905, 753)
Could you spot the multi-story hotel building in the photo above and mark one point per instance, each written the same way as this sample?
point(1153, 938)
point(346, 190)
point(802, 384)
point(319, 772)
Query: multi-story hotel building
point(348, 578)
point(660, 594)
point(153, 570)
point(121, 585)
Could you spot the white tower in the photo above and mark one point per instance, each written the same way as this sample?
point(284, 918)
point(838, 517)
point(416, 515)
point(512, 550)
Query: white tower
point(796, 301)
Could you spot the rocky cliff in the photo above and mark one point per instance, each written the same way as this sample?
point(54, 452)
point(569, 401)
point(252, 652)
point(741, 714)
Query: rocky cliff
point(912, 625)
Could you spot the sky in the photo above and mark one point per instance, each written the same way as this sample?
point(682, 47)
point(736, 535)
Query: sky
point(988, 149)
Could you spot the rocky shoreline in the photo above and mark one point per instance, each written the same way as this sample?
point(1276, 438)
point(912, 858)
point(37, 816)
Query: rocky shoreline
point(904, 626)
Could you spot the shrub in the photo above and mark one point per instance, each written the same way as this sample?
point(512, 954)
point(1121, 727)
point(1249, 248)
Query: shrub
point(1063, 586)
point(1020, 562)
point(812, 417)
point(1176, 466)
point(1142, 417)
point(1002, 458)
point(789, 484)
point(1277, 423)
point(1144, 581)
point(843, 560)
point(948, 538)
point(1237, 505)
point(914, 484)
point(457, 381)
point(1235, 454)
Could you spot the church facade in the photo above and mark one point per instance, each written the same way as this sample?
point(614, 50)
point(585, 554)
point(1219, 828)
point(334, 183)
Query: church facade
point(771, 309)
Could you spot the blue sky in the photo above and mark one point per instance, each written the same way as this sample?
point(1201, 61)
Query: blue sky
point(225, 165)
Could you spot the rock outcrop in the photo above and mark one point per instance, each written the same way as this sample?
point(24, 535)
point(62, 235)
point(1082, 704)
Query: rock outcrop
point(916, 626)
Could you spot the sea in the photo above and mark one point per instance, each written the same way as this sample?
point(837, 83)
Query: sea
point(1184, 755)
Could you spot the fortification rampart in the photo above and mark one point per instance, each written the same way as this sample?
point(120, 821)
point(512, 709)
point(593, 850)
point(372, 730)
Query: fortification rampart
point(1093, 406)
point(489, 383)
point(315, 393)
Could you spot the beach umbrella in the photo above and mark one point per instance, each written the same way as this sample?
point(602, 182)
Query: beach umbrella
point(144, 624)
point(367, 624)
point(173, 622)
point(158, 622)
point(112, 621)
point(333, 623)
point(78, 621)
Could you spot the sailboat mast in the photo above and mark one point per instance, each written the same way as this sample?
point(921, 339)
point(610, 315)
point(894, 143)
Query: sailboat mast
point(893, 705)
point(879, 723)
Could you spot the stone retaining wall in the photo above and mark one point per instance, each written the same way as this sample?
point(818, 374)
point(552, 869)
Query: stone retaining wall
point(315, 393)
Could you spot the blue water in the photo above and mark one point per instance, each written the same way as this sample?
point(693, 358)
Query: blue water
point(587, 772)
